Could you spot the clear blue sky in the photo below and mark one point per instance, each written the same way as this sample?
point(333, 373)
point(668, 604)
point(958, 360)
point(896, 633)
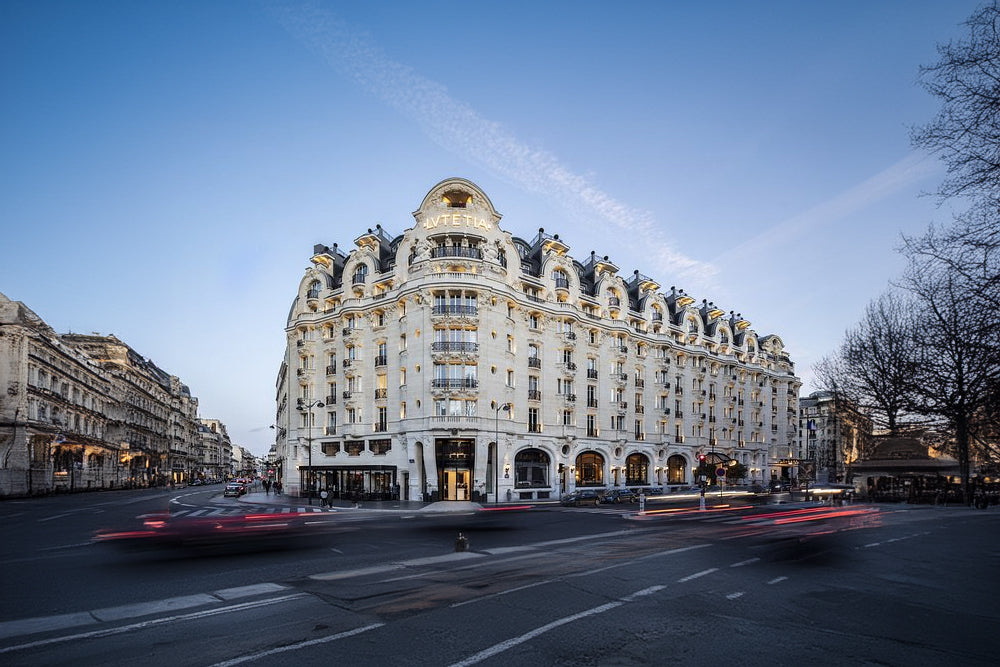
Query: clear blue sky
point(166, 167)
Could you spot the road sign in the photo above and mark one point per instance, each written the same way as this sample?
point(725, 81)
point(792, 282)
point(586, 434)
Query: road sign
point(720, 472)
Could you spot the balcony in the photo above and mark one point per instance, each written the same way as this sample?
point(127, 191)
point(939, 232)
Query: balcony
point(454, 346)
point(640, 383)
point(534, 395)
point(347, 363)
point(614, 301)
point(347, 331)
point(640, 409)
point(300, 343)
point(331, 399)
point(454, 383)
point(331, 369)
point(455, 310)
point(620, 377)
point(570, 335)
point(330, 430)
point(571, 398)
point(347, 395)
point(381, 360)
point(591, 373)
point(381, 394)
point(591, 402)
point(301, 371)
point(534, 362)
point(571, 365)
point(456, 251)
point(534, 428)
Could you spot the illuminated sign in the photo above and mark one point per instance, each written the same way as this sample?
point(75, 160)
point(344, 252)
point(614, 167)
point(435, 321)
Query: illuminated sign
point(457, 220)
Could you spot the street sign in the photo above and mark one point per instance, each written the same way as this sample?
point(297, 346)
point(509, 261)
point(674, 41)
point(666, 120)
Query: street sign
point(720, 472)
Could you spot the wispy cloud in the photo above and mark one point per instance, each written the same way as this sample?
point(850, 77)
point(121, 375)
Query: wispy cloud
point(459, 128)
point(911, 169)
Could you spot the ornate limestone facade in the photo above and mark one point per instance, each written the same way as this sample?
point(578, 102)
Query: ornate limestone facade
point(457, 361)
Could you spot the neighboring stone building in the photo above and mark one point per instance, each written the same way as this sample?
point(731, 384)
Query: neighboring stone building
point(833, 436)
point(59, 411)
point(82, 412)
point(216, 450)
point(408, 356)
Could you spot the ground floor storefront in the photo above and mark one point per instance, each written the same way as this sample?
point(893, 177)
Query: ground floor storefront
point(470, 466)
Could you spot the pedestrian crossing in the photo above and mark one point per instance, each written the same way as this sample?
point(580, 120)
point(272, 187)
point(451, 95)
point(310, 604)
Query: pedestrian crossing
point(208, 512)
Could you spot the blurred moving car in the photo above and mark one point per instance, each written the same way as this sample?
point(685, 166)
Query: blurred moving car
point(618, 496)
point(160, 531)
point(581, 497)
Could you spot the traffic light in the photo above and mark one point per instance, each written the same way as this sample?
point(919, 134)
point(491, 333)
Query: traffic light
point(701, 458)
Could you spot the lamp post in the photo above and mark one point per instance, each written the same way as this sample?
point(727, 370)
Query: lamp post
point(308, 407)
point(496, 466)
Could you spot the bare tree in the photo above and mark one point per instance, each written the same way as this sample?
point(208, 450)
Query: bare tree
point(874, 367)
point(957, 363)
point(965, 133)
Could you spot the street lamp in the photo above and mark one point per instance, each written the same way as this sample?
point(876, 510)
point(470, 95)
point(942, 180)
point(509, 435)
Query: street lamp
point(496, 467)
point(309, 429)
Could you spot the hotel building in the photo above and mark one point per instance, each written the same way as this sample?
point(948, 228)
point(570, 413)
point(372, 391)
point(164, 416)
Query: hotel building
point(460, 362)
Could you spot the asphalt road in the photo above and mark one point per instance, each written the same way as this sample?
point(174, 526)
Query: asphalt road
point(564, 586)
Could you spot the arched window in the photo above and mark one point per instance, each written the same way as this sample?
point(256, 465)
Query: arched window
point(636, 470)
point(360, 274)
point(531, 468)
point(560, 278)
point(676, 469)
point(589, 469)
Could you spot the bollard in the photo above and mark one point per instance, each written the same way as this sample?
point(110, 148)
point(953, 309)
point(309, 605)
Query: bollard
point(461, 543)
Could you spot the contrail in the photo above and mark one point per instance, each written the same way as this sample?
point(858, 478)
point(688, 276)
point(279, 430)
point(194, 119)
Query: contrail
point(459, 128)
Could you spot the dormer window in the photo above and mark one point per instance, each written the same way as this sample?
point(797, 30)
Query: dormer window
point(456, 199)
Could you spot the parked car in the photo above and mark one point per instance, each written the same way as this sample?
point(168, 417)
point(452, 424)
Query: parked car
point(582, 497)
point(618, 496)
point(234, 490)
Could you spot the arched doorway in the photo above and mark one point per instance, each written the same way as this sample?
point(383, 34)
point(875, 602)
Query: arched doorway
point(590, 469)
point(676, 469)
point(637, 470)
point(531, 469)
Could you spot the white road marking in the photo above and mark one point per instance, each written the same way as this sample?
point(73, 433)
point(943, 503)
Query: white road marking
point(733, 596)
point(514, 641)
point(295, 647)
point(108, 632)
point(776, 580)
point(697, 574)
point(745, 562)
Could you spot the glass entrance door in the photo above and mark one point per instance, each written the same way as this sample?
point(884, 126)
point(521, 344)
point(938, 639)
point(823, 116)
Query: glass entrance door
point(455, 462)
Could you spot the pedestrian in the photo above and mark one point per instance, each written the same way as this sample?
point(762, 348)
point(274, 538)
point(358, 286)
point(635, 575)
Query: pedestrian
point(323, 496)
point(267, 487)
point(277, 487)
